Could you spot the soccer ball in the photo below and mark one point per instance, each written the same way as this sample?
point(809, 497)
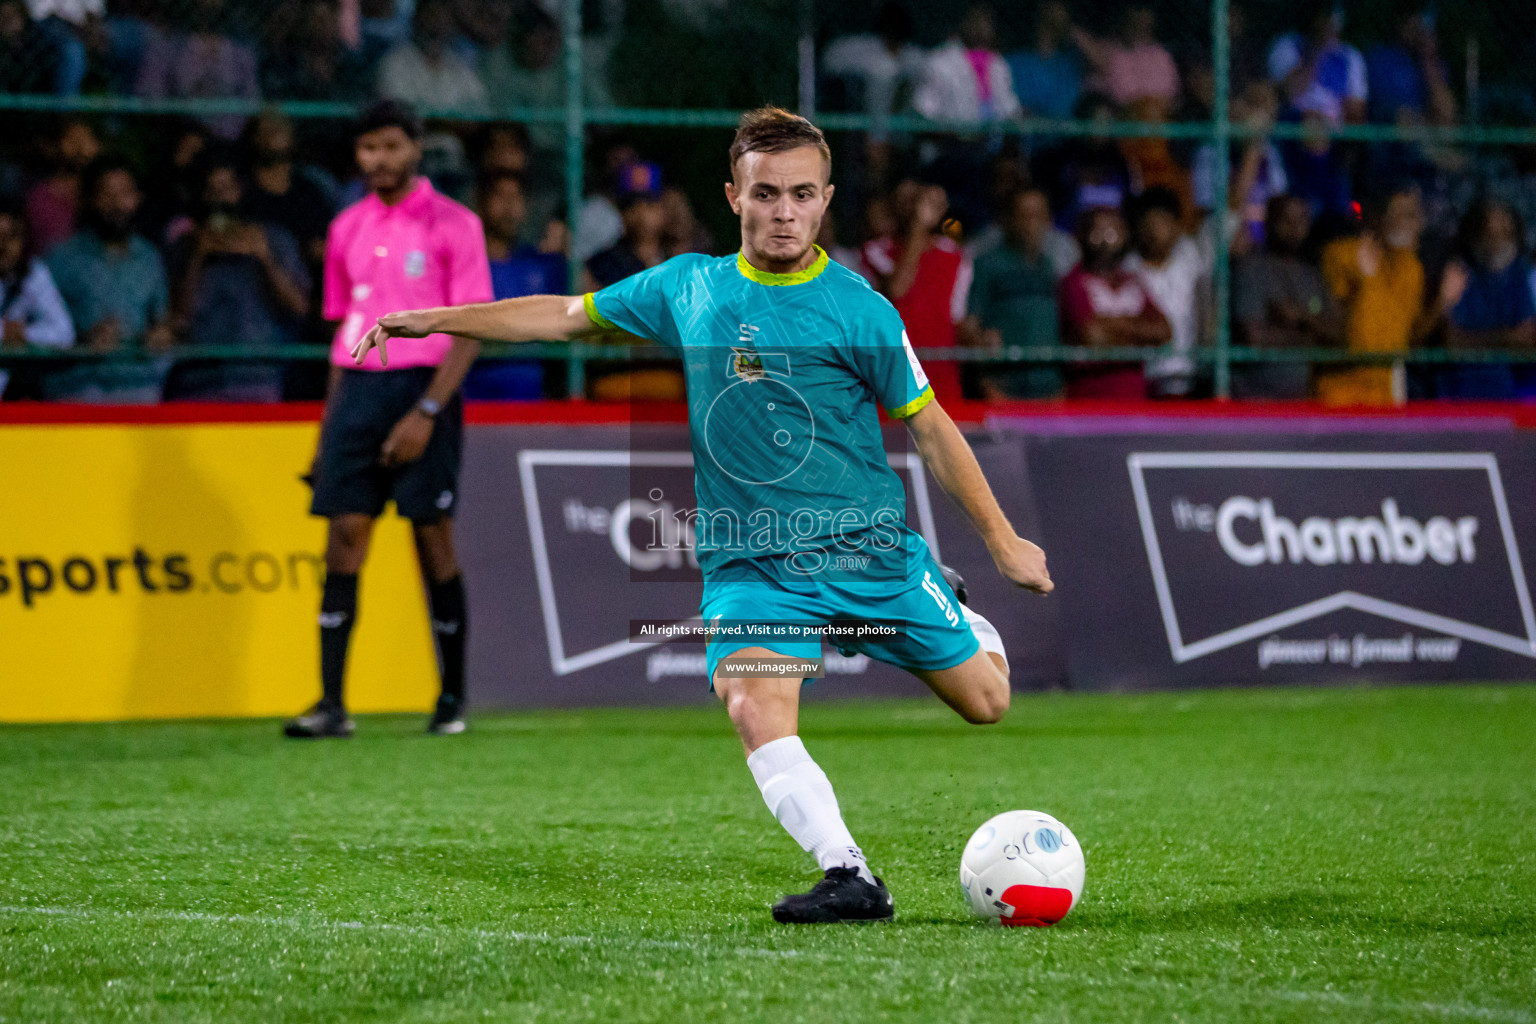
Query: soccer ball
point(1022, 868)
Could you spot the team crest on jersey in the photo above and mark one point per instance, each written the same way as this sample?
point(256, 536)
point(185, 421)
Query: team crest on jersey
point(415, 263)
point(747, 363)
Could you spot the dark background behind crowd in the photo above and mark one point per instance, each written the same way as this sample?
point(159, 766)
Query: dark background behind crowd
point(131, 235)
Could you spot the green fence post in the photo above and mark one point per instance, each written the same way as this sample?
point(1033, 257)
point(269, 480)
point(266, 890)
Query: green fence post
point(575, 158)
point(1220, 134)
point(806, 62)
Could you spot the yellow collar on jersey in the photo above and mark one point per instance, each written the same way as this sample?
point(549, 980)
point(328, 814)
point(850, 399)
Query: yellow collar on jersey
point(810, 273)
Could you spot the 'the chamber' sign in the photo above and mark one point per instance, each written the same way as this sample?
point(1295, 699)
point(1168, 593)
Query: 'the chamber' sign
point(1255, 546)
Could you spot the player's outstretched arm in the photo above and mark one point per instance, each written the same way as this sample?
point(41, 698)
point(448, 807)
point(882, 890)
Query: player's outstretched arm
point(953, 464)
point(530, 318)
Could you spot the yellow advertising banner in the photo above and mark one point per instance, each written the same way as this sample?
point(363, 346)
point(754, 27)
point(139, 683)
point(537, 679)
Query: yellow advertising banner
point(167, 571)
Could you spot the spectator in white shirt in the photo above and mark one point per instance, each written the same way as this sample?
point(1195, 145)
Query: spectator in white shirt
point(31, 310)
point(966, 79)
point(1175, 270)
point(879, 62)
point(426, 72)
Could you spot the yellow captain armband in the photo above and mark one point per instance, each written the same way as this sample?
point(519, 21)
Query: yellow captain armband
point(902, 412)
point(590, 305)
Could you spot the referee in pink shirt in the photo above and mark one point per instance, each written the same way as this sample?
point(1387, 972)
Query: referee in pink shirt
point(394, 431)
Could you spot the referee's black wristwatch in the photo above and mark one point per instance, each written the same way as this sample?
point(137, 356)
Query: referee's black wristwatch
point(429, 408)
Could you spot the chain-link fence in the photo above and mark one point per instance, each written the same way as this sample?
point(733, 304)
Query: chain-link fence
point(1182, 198)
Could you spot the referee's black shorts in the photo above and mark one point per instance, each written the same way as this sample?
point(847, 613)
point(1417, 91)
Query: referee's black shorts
point(348, 475)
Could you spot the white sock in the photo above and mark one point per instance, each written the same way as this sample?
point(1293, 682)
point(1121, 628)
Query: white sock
point(985, 632)
point(796, 790)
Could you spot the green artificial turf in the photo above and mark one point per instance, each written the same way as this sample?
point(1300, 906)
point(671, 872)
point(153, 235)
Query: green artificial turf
point(1346, 855)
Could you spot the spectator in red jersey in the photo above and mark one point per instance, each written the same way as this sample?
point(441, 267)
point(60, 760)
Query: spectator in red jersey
point(1103, 305)
point(926, 276)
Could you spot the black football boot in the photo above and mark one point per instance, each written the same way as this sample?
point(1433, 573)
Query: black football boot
point(956, 582)
point(841, 896)
point(323, 721)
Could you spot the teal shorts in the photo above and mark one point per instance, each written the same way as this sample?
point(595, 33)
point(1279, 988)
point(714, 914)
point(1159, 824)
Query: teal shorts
point(935, 633)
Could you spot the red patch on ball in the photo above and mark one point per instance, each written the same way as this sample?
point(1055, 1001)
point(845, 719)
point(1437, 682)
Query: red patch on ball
point(1035, 906)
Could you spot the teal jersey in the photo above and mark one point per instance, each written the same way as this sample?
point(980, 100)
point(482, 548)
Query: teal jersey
point(784, 372)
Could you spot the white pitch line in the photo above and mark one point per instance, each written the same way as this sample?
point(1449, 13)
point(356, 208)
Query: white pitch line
point(1464, 1011)
point(93, 913)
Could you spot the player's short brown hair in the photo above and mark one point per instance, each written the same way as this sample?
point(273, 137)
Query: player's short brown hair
point(776, 130)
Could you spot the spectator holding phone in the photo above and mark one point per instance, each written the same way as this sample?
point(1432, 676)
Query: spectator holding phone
point(237, 282)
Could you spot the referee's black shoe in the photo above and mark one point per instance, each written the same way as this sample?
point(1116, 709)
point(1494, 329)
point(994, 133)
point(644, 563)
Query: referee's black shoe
point(323, 721)
point(448, 717)
point(841, 896)
point(956, 582)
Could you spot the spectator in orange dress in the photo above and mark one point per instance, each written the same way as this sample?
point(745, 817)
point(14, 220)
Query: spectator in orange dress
point(1379, 283)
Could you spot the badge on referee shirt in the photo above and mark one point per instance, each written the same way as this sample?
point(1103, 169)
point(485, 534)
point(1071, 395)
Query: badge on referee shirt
point(415, 263)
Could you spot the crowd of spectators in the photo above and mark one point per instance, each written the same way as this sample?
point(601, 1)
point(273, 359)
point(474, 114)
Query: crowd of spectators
point(220, 244)
point(1372, 248)
point(472, 56)
point(214, 233)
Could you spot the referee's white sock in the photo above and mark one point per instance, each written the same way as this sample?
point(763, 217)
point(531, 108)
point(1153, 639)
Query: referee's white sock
point(985, 632)
point(796, 790)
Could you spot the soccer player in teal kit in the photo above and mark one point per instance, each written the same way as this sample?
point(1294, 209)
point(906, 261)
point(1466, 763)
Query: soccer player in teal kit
point(800, 515)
